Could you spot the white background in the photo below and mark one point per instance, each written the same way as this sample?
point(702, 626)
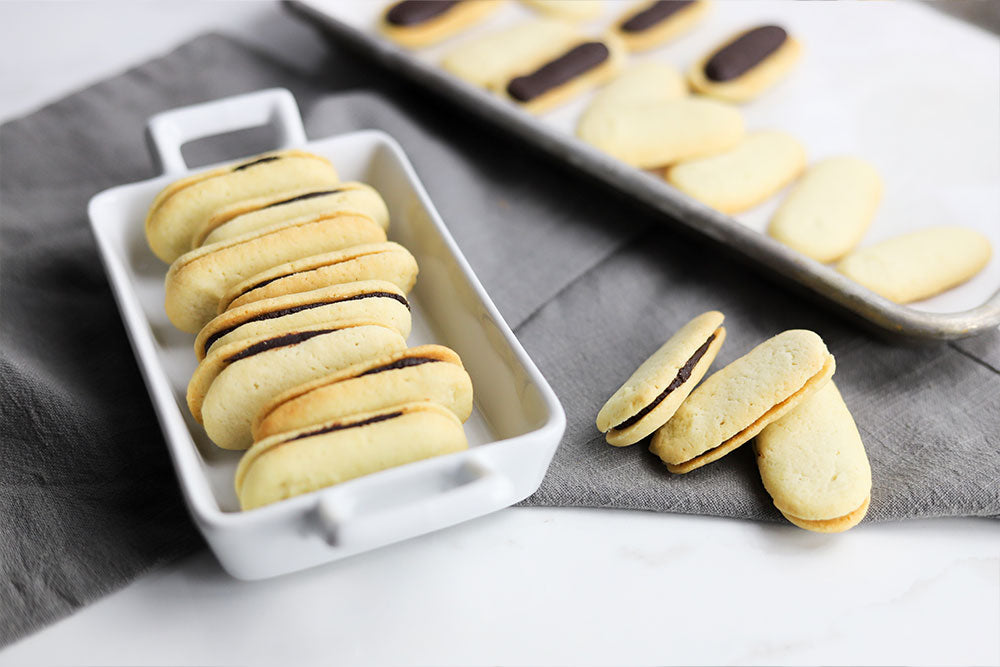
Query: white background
point(524, 585)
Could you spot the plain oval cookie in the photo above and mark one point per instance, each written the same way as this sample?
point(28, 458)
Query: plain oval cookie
point(741, 178)
point(253, 214)
point(920, 264)
point(372, 261)
point(236, 380)
point(829, 209)
point(647, 82)
point(654, 391)
point(813, 464)
point(419, 23)
point(180, 208)
point(426, 373)
point(568, 10)
point(660, 133)
point(653, 24)
point(746, 65)
point(294, 463)
point(736, 402)
point(198, 279)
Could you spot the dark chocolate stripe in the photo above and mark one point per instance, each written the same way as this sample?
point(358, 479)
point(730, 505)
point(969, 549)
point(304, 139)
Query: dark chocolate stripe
point(745, 53)
point(262, 160)
point(278, 341)
point(581, 58)
point(285, 275)
point(308, 195)
point(682, 376)
point(340, 427)
point(405, 362)
point(415, 12)
point(273, 314)
point(654, 15)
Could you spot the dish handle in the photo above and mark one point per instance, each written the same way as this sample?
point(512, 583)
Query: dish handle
point(433, 500)
point(168, 131)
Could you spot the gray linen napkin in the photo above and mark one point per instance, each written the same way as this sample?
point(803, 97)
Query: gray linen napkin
point(591, 283)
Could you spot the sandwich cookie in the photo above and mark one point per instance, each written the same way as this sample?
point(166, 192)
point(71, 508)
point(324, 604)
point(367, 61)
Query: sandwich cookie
point(387, 261)
point(492, 60)
point(736, 402)
point(814, 466)
point(253, 214)
point(198, 279)
point(290, 464)
point(568, 10)
point(655, 23)
point(920, 264)
point(427, 373)
point(653, 393)
point(181, 207)
point(747, 65)
point(829, 209)
point(235, 381)
point(743, 177)
point(419, 23)
point(365, 301)
point(655, 134)
point(584, 65)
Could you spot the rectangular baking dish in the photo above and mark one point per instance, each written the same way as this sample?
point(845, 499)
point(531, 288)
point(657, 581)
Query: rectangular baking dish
point(514, 429)
point(916, 92)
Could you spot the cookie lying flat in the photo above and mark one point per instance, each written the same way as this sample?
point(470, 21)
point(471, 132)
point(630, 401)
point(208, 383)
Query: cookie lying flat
point(427, 373)
point(375, 301)
point(235, 381)
point(656, 134)
point(647, 82)
point(746, 65)
point(813, 464)
point(492, 60)
point(736, 402)
point(919, 265)
point(743, 177)
point(181, 207)
point(655, 23)
point(419, 23)
point(829, 209)
point(387, 261)
point(579, 68)
point(253, 214)
point(655, 390)
point(568, 10)
point(198, 279)
point(315, 457)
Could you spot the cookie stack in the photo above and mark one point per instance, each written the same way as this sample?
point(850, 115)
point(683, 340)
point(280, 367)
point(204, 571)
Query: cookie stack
point(299, 303)
point(780, 394)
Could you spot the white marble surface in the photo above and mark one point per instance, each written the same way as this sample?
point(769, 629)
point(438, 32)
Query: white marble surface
point(524, 586)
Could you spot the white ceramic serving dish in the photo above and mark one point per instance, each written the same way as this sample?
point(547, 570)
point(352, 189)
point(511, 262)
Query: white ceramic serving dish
point(514, 429)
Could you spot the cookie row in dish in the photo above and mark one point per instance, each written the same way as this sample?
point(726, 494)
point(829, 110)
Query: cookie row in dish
point(780, 394)
point(300, 307)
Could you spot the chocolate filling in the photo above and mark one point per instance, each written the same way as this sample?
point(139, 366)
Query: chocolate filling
point(405, 362)
point(270, 315)
point(278, 341)
point(682, 376)
point(262, 160)
point(745, 53)
point(285, 275)
point(576, 61)
point(339, 427)
point(308, 195)
point(653, 15)
point(415, 12)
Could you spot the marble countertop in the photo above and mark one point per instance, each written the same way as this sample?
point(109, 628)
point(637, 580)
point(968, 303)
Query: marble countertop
point(522, 586)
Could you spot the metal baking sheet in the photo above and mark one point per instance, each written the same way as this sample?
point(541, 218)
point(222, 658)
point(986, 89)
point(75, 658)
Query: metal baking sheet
point(915, 92)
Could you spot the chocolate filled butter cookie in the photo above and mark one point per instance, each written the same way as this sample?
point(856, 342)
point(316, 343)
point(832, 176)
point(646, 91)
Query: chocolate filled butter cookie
point(426, 373)
point(183, 206)
point(652, 394)
point(652, 24)
point(746, 65)
point(234, 381)
point(317, 456)
point(419, 23)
